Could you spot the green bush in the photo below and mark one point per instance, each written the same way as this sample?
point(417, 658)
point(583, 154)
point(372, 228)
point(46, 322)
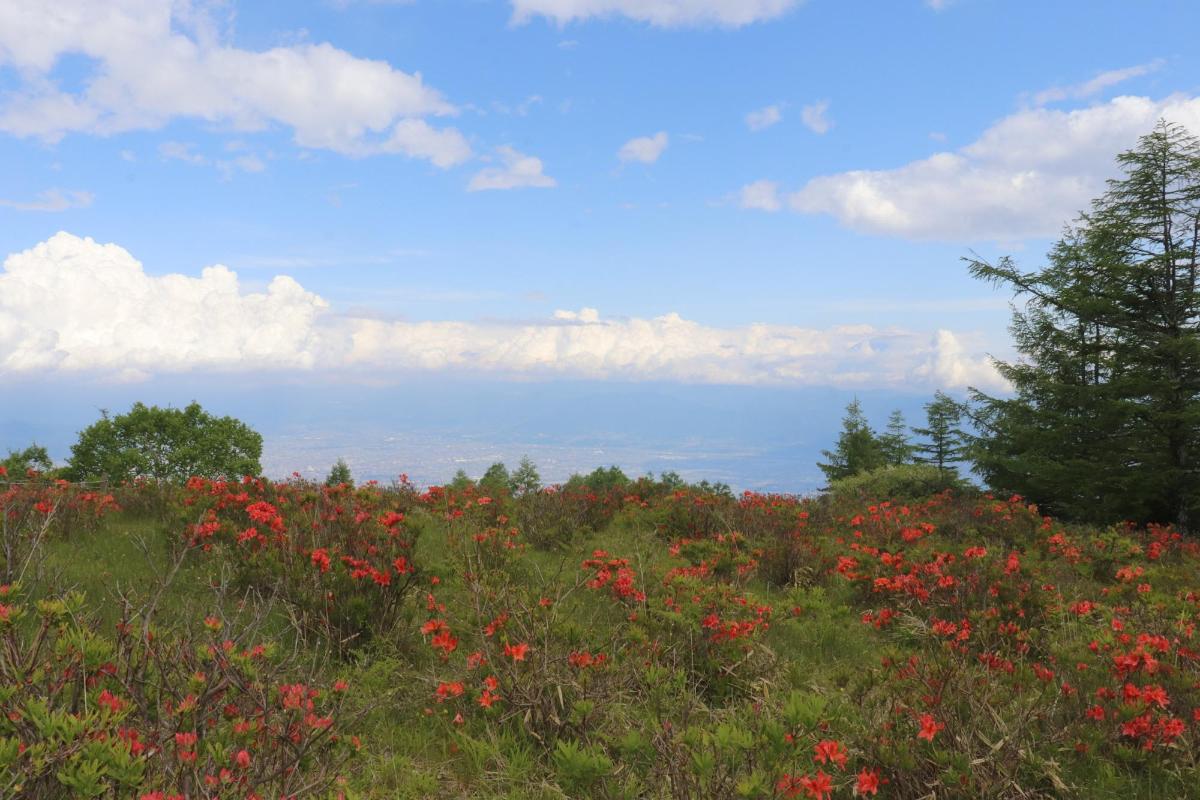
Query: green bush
point(897, 483)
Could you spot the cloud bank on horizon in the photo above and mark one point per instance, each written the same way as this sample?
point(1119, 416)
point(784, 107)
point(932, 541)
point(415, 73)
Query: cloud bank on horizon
point(72, 305)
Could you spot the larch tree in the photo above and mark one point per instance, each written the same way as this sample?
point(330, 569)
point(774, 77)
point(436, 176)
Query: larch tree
point(1104, 422)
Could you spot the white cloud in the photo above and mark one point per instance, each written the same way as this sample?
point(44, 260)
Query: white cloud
point(519, 171)
point(227, 167)
point(445, 147)
point(948, 364)
point(761, 195)
point(764, 118)
point(1025, 177)
point(157, 60)
point(1096, 85)
point(52, 200)
point(814, 117)
point(73, 305)
point(644, 149)
point(663, 13)
point(180, 151)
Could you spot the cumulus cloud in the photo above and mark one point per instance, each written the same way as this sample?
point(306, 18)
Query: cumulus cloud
point(73, 305)
point(1096, 85)
point(154, 61)
point(52, 200)
point(663, 13)
point(761, 195)
point(815, 117)
point(518, 171)
point(644, 149)
point(1026, 176)
point(764, 118)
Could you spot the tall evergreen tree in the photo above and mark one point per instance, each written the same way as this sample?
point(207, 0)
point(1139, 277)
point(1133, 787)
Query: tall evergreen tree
point(1105, 420)
point(945, 441)
point(897, 448)
point(857, 449)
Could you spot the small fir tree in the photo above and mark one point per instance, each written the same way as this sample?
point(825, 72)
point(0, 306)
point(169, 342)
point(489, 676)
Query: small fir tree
point(897, 448)
point(945, 442)
point(340, 474)
point(525, 479)
point(858, 448)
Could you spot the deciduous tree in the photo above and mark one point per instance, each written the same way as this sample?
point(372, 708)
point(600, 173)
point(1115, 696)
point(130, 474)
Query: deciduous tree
point(166, 444)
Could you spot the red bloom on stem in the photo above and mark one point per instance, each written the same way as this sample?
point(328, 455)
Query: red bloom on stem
point(516, 652)
point(828, 751)
point(444, 641)
point(929, 727)
point(867, 783)
point(819, 787)
point(445, 691)
point(110, 701)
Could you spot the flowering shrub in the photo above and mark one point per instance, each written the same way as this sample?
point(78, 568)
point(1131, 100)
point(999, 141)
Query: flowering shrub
point(342, 558)
point(149, 714)
point(646, 640)
point(35, 508)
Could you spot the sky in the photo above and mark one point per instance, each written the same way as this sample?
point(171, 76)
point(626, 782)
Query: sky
point(314, 215)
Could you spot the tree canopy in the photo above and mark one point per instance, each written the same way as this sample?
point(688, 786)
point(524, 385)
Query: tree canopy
point(18, 462)
point(167, 444)
point(1104, 422)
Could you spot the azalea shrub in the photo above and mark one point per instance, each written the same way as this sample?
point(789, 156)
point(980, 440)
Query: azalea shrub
point(203, 711)
point(343, 558)
point(34, 508)
point(614, 639)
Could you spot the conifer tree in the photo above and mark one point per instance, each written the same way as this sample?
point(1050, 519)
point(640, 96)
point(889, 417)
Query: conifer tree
point(945, 441)
point(496, 479)
point(857, 449)
point(1105, 421)
point(525, 480)
point(340, 474)
point(897, 448)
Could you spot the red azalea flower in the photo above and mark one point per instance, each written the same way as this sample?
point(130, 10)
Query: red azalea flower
point(929, 727)
point(867, 783)
point(830, 751)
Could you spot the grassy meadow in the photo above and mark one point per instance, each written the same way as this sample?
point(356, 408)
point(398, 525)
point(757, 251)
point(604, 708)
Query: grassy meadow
point(601, 640)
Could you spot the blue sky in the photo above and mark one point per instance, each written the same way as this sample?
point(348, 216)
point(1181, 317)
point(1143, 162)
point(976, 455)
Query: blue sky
point(694, 193)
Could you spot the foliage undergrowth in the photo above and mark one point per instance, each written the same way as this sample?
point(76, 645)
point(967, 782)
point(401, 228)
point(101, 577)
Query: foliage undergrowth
point(631, 639)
